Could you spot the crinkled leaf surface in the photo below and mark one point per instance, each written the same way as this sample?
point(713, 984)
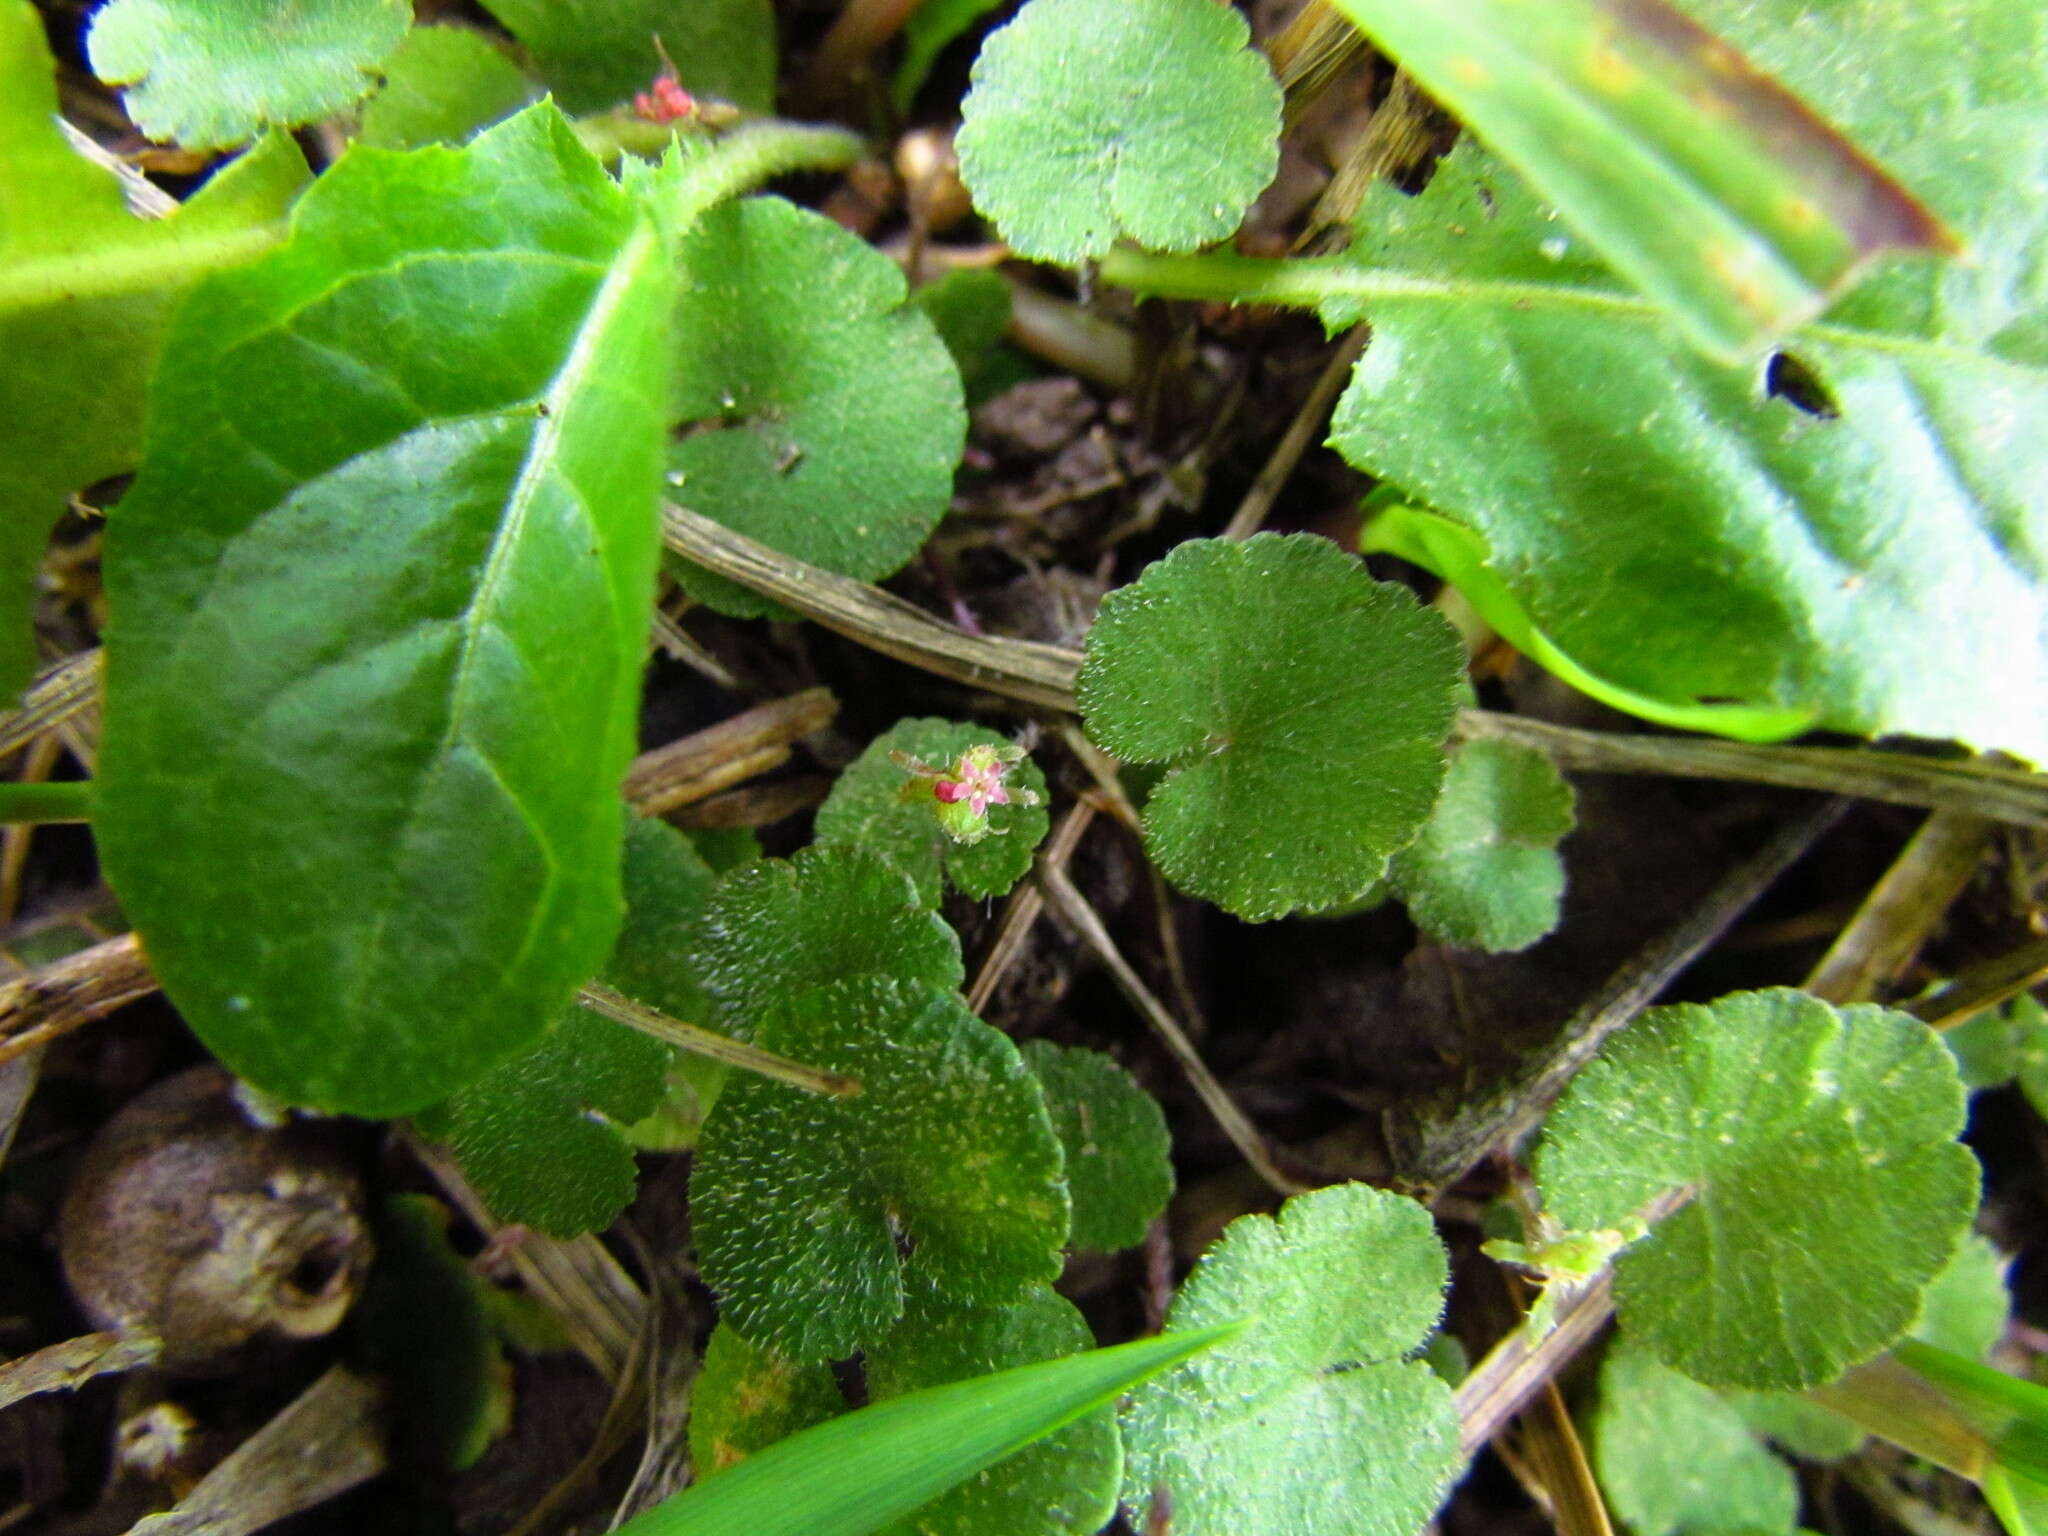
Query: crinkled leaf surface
point(773, 931)
point(1676, 526)
point(1830, 1186)
point(379, 606)
point(801, 1202)
point(1714, 189)
point(1119, 1164)
point(1094, 120)
point(1302, 705)
point(442, 85)
point(1673, 1457)
point(86, 289)
point(1485, 873)
point(1314, 1421)
point(208, 73)
point(866, 809)
point(598, 53)
point(822, 413)
point(1066, 1484)
point(538, 1135)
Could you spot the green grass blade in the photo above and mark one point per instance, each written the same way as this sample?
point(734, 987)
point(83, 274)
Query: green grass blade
point(1710, 186)
point(857, 1473)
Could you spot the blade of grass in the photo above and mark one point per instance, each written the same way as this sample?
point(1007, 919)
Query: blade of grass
point(857, 1473)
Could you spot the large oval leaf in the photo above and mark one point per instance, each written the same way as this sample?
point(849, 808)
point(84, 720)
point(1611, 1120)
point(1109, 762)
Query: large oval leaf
point(379, 602)
point(1860, 530)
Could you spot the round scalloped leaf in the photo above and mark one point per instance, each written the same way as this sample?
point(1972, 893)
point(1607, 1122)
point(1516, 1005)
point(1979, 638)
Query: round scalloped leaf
point(1302, 705)
point(804, 1205)
point(747, 1397)
point(210, 73)
point(1313, 1421)
point(1064, 1485)
point(1095, 120)
point(1829, 1185)
point(1965, 1307)
point(1674, 1457)
point(442, 85)
point(866, 808)
point(821, 413)
point(1484, 873)
point(1119, 1154)
point(774, 930)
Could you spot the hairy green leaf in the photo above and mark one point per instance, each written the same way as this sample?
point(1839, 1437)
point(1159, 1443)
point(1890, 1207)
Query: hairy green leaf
point(1119, 1164)
point(442, 85)
point(867, 809)
point(379, 608)
point(1829, 1187)
point(538, 1134)
point(1673, 1457)
point(1484, 873)
point(598, 53)
point(856, 1473)
point(86, 289)
point(823, 415)
point(970, 309)
point(801, 1203)
point(1302, 705)
point(1829, 509)
point(1315, 1421)
point(209, 73)
point(1706, 183)
point(773, 931)
point(1094, 120)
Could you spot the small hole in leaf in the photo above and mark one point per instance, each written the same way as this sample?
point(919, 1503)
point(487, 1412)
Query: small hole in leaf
point(1788, 378)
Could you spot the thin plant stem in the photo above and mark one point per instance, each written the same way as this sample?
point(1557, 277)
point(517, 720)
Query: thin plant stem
point(621, 1009)
point(43, 802)
point(1065, 899)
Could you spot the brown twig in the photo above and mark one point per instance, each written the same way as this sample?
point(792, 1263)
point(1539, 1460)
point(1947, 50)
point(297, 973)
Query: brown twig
point(1026, 903)
point(1901, 910)
point(1300, 436)
point(57, 998)
point(1985, 986)
point(1429, 1158)
point(1073, 907)
point(69, 1365)
point(700, 765)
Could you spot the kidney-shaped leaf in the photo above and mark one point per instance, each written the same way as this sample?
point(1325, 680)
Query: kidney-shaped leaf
point(1859, 529)
point(379, 605)
point(804, 1206)
point(773, 931)
point(1303, 708)
point(1829, 1188)
point(1119, 1154)
point(822, 415)
point(1094, 120)
point(1314, 1421)
point(1484, 873)
point(209, 73)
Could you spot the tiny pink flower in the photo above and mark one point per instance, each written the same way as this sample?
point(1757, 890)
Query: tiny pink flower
point(666, 103)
